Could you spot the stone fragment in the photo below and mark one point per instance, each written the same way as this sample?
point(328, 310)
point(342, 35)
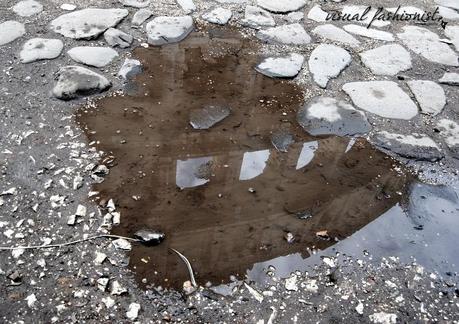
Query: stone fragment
point(219, 16)
point(336, 34)
point(133, 311)
point(40, 49)
point(387, 59)
point(117, 289)
point(115, 37)
point(140, 17)
point(93, 56)
point(122, 244)
point(283, 6)
point(68, 6)
point(165, 30)
point(412, 146)
point(27, 8)
point(448, 14)
point(452, 32)
point(208, 116)
point(73, 81)
point(10, 30)
point(87, 23)
point(292, 34)
point(31, 300)
point(369, 32)
point(328, 116)
point(150, 237)
point(291, 283)
point(326, 62)
point(294, 17)
point(450, 78)
point(449, 130)
point(317, 14)
point(256, 17)
point(430, 96)
point(427, 44)
point(383, 98)
point(383, 318)
point(130, 69)
point(448, 3)
point(135, 3)
point(281, 67)
point(188, 6)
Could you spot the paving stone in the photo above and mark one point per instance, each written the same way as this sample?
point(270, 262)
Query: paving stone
point(327, 116)
point(326, 62)
point(410, 10)
point(93, 56)
point(40, 49)
point(256, 17)
point(135, 3)
point(454, 4)
point(382, 98)
point(369, 32)
point(87, 23)
point(413, 146)
point(292, 34)
point(10, 30)
point(427, 44)
point(336, 34)
point(165, 30)
point(294, 17)
point(450, 79)
point(219, 16)
point(188, 6)
point(448, 13)
point(130, 69)
point(74, 81)
point(68, 6)
point(140, 17)
point(317, 14)
point(283, 6)
point(449, 131)
point(430, 96)
point(452, 32)
point(281, 67)
point(27, 8)
point(115, 37)
point(387, 59)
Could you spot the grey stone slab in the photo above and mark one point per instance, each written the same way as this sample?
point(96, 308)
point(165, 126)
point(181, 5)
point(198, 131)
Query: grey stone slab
point(93, 56)
point(283, 6)
point(281, 67)
point(387, 59)
point(256, 17)
point(219, 16)
point(291, 34)
point(450, 78)
point(40, 49)
point(326, 62)
point(27, 8)
point(165, 30)
point(140, 17)
point(430, 96)
point(333, 33)
point(369, 32)
point(117, 38)
point(10, 30)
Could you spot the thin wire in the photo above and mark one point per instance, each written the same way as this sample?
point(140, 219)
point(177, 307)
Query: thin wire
point(7, 248)
point(188, 265)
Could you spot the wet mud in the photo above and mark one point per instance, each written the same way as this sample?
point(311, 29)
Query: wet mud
point(228, 196)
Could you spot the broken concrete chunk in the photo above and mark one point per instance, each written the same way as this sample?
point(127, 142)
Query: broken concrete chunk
point(165, 30)
point(130, 69)
point(208, 116)
point(149, 237)
point(115, 37)
point(73, 81)
point(281, 67)
point(87, 23)
point(117, 289)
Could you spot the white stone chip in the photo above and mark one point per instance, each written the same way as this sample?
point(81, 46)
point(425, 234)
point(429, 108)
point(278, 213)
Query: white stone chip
point(133, 311)
point(188, 6)
point(219, 16)
point(122, 244)
point(450, 78)
point(281, 67)
point(369, 32)
point(317, 14)
point(93, 56)
point(292, 34)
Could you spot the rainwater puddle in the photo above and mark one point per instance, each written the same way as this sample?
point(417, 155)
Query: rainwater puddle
point(228, 195)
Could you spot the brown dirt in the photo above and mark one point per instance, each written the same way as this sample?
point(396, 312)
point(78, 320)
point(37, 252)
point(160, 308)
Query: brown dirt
point(221, 227)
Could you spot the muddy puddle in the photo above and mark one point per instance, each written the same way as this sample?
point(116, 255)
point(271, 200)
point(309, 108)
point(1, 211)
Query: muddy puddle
point(252, 187)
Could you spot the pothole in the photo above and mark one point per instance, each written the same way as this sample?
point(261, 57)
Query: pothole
point(252, 187)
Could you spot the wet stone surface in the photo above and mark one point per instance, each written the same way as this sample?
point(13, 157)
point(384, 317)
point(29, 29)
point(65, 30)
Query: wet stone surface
point(226, 197)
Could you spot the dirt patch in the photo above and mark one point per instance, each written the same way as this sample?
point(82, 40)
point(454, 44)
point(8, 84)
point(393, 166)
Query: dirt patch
point(240, 195)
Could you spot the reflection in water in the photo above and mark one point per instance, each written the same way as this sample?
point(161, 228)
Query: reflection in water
point(424, 233)
point(307, 154)
point(253, 164)
point(192, 172)
point(219, 225)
